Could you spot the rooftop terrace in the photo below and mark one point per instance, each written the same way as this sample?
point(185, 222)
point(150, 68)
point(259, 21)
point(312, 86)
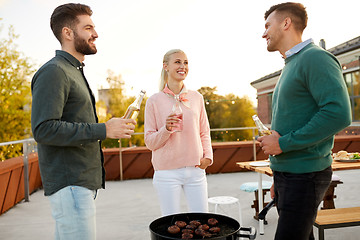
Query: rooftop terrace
point(126, 208)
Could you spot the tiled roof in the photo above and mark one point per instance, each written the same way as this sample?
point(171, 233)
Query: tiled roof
point(271, 75)
point(346, 46)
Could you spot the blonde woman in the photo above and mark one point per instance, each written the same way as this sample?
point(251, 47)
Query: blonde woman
point(179, 158)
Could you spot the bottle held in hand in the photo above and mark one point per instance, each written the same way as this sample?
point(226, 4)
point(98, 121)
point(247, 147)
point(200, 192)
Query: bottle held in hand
point(263, 130)
point(177, 112)
point(134, 108)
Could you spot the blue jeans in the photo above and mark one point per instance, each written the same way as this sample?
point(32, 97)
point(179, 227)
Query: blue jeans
point(73, 209)
point(297, 197)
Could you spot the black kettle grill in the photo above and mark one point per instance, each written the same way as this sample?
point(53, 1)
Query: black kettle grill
point(230, 229)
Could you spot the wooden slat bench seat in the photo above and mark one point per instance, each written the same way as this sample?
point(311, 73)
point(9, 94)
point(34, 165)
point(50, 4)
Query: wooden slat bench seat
point(337, 218)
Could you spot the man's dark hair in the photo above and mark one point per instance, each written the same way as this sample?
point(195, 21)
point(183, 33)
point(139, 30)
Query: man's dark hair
point(296, 12)
point(66, 16)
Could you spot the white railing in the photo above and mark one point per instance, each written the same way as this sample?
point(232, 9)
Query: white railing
point(28, 147)
point(212, 130)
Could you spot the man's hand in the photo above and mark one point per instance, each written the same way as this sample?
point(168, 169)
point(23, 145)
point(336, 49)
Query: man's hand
point(272, 191)
point(204, 163)
point(270, 143)
point(120, 128)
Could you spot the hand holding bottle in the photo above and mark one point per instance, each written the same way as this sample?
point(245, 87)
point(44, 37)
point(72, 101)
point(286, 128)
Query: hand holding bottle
point(270, 143)
point(120, 128)
point(264, 131)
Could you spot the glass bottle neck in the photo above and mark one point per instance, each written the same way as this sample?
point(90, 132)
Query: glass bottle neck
point(138, 100)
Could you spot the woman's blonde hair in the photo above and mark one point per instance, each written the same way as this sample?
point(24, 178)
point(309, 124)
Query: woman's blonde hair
point(164, 74)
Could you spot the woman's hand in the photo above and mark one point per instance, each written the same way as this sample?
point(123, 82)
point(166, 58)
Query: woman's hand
point(171, 121)
point(204, 163)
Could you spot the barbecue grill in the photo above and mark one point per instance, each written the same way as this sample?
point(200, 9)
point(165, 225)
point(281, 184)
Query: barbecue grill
point(230, 228)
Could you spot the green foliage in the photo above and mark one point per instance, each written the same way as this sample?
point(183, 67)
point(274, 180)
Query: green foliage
point(117, 105)
point(228, 112)
point(223, 112)
point(15, 97)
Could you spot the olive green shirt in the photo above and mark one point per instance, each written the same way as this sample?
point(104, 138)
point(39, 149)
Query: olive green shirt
point(65, 126)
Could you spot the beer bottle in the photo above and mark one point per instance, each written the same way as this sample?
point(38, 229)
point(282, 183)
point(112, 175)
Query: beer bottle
point(134, 108)
point(263, 130)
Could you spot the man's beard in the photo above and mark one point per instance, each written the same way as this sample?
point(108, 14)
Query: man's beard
point(275, 41)
point(82, 46)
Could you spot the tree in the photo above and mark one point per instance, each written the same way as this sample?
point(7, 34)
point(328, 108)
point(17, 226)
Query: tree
point(117, 105)
point(227, 112)
point(15, 97)
point(214, 109)
point(238, 113)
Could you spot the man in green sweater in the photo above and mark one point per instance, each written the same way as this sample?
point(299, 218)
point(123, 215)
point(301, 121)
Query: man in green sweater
point(310, 105)
point(66, 128)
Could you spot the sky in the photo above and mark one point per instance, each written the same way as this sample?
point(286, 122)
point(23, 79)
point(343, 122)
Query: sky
point(222, 38)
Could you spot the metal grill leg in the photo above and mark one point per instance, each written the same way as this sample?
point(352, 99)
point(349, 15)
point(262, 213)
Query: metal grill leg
point(321, 233)
point(240, 217)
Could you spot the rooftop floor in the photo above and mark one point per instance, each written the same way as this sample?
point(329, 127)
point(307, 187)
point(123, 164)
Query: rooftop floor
point(126, 208)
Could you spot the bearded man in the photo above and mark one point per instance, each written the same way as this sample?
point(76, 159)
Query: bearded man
point(66, 128)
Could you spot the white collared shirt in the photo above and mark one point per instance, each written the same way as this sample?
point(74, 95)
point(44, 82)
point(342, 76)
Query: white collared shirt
point(297, 48)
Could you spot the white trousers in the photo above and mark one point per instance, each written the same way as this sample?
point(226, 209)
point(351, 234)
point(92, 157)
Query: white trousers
point(169, 185)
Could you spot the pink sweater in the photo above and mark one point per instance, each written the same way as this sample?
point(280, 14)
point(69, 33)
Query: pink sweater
point(171, 150)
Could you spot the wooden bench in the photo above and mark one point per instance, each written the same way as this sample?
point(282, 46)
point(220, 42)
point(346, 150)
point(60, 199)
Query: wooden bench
point(328, 201)
point(336, 218)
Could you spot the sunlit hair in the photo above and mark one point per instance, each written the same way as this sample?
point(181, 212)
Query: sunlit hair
point(66, 16)
point(164, 74)
point(296, 12)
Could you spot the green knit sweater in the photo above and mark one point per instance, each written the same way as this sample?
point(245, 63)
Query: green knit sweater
point(310, 105)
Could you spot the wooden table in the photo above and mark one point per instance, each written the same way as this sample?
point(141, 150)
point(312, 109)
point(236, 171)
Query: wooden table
point(336, 166)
